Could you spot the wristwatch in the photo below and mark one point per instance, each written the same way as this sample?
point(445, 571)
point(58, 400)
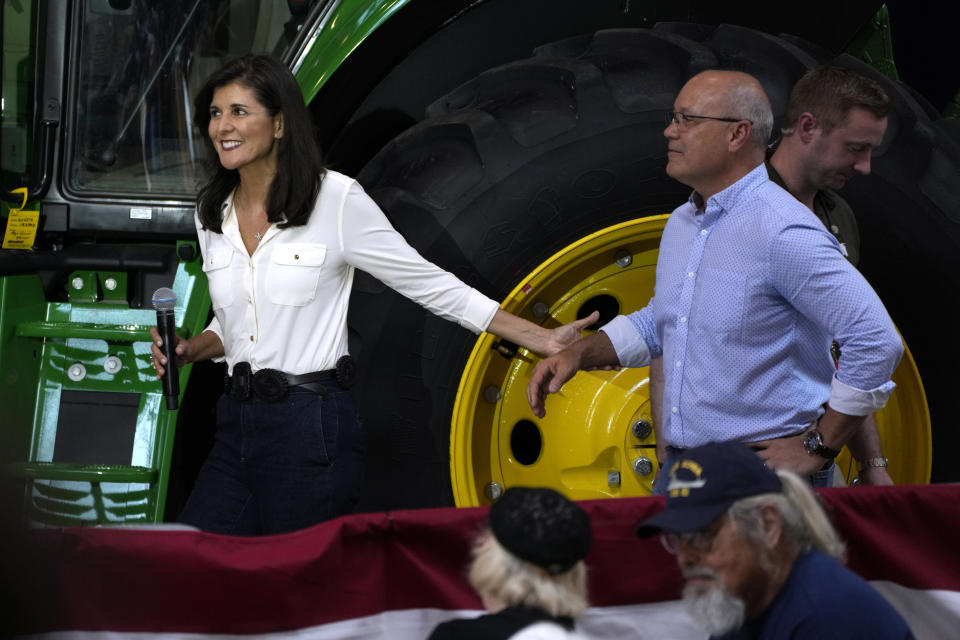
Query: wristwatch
point(813, 443)
point(873, 462)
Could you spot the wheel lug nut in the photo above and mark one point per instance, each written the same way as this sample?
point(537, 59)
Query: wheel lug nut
point(643, 466)
point(642, 429)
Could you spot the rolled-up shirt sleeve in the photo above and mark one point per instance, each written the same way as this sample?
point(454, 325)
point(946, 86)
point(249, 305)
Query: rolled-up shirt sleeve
point(811, 272)
point(858, 402)
point(634, 337)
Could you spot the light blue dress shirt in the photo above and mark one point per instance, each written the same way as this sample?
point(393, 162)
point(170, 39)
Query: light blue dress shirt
point(750, 292)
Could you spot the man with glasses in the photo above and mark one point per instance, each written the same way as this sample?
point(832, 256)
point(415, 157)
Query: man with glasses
point(758, 554)
point(750, 292)
point(836, 118)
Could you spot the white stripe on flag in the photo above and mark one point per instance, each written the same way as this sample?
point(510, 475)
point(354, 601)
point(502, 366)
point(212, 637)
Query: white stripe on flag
point(931, 614)
point(398, 574)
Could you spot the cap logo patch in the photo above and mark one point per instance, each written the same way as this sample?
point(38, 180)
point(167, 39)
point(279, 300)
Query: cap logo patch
point(680, 487)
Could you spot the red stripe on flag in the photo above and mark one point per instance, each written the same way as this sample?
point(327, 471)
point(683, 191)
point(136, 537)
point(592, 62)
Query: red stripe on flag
point(185, 581)
point(908, 534)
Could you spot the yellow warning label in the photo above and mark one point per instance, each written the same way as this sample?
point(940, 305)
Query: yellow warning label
point(21, 226)
point(21, 229)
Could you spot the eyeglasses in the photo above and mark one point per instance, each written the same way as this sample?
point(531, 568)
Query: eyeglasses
point(683, 120)
point(700, 541)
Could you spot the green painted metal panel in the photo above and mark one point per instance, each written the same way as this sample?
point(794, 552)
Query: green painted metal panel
point(96, 347)
point(341, 30)
point(84, 473)
point(874, 44)
point(128, 333)
point(21, 300)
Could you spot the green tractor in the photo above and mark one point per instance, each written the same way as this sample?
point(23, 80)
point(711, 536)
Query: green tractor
point(516, 143)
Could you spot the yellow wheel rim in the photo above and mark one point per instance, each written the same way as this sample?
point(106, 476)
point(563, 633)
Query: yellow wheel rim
point(594, 440)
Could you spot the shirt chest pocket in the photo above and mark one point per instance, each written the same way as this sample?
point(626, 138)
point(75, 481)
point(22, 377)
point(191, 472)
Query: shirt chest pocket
point(216, 265)
point(295, 272)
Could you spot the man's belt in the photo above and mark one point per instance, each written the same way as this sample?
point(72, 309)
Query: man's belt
point(272, 385)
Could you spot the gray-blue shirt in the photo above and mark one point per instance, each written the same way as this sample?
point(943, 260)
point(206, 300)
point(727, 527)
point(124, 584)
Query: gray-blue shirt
point(750, 292)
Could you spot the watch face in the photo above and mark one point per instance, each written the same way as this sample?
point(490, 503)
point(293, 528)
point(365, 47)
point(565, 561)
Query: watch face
point(811, 442)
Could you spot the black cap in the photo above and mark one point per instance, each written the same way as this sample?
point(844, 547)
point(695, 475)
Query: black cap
point(705, 481)
point(542, 527)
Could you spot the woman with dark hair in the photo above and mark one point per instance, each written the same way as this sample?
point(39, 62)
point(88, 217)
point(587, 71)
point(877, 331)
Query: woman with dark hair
point(281, 237)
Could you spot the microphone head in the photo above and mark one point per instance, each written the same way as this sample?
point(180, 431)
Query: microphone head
point(164, 299)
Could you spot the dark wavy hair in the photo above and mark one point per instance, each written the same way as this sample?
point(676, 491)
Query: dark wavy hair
point(300, 171)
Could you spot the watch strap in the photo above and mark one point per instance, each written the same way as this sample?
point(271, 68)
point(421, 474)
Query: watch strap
point(826, 452)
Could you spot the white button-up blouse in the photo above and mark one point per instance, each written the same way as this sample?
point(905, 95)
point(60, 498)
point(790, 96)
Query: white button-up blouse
point(285, 307)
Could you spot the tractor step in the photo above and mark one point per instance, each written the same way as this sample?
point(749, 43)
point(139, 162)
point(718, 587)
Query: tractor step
point(91, 330)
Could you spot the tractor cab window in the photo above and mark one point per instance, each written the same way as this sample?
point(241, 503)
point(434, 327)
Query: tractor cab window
point(138, 65)
point(18, 23)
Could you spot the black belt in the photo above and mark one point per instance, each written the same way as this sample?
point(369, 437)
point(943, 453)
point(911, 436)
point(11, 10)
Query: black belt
point(272, 385)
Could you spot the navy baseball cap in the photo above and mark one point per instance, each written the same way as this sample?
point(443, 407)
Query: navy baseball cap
point(704, 482)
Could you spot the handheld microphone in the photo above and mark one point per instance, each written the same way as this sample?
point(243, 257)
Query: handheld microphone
point(164, 300)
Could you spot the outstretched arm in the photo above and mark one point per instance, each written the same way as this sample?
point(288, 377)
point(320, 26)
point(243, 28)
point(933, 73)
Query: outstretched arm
point(540, 340)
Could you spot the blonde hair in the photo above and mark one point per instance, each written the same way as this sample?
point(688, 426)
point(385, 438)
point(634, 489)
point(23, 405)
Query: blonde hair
point(499, 574)
point(805, 523)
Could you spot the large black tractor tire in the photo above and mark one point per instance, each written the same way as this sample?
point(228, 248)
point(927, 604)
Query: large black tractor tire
point(516, 164)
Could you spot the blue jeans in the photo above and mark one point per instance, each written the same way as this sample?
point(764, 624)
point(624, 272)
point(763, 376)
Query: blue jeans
point(279, 466)
point(822, 478)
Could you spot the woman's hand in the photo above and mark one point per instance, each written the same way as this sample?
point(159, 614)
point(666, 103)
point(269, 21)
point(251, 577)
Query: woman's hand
point(540, 340)
point(183, 351)
point(565, 335)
